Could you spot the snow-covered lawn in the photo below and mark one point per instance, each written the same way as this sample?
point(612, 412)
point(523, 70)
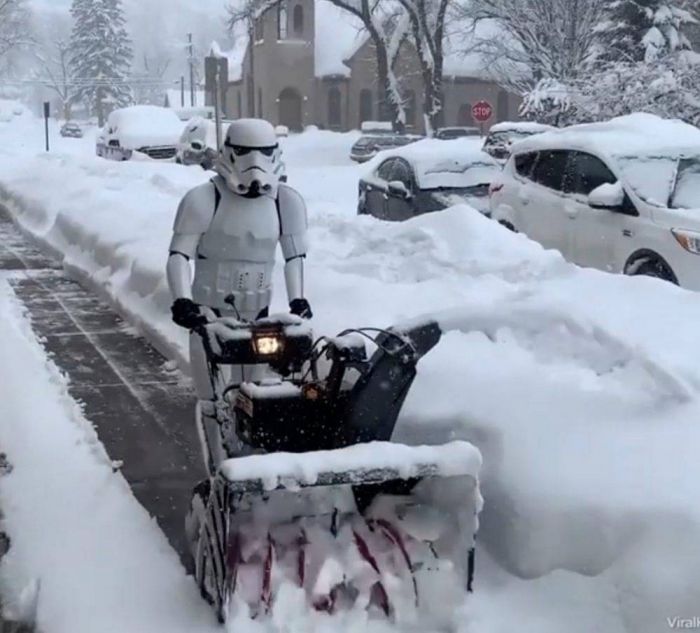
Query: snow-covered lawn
point(580, 388)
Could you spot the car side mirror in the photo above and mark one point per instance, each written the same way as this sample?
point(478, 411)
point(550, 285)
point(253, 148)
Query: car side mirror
point(399, 189)
point(610, 196)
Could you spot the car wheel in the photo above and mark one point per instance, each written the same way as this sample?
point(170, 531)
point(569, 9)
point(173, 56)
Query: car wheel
point(652, 266)
point(507, 225)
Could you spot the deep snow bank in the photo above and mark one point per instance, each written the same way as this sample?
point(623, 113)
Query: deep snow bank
point(580, 388)
point(100, 561)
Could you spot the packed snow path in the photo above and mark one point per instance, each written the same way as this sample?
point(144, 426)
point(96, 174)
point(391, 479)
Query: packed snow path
point(142, 412)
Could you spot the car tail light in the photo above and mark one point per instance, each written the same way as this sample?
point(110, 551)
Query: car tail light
point(495, 188)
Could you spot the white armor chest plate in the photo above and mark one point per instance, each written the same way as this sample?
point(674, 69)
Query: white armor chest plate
point(236, 255)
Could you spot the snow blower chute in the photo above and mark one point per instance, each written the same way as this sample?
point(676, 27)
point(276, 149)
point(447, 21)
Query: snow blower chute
point(328, 505)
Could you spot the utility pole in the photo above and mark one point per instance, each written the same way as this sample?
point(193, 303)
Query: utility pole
point(191, 57)
point(217, 104)
point(182, 91)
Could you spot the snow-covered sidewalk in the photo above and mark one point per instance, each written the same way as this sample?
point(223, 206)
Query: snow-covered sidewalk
point(580, 388)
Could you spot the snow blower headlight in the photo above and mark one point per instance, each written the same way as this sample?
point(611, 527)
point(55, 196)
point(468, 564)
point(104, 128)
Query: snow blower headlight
point(267, 345)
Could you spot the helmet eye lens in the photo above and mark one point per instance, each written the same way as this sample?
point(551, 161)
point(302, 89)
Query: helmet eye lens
point(239, 150)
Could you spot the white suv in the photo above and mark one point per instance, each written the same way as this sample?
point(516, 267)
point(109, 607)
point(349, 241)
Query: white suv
point(621, 196)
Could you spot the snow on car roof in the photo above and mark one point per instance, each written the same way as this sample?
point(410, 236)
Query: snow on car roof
point(638, 134)
point(443, 164)
point(144, 125)
point(527, 127)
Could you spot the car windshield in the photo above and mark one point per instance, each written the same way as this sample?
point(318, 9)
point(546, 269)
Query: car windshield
point(507, 136)
point(453, 174)
point(664, 181)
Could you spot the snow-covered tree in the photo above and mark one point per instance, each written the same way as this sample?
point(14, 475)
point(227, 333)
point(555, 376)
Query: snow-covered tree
point(148, 82)
point(646, 30)
point(14, 28)
point(100, 55)
point(387, 26)
point(545, 39)
point(428, 21)
point(54, 72)
point(668, 87)
point(554, 103)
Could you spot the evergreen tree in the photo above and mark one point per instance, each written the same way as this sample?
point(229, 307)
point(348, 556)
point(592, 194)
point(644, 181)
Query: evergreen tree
point(101, 55)
point(645, 30)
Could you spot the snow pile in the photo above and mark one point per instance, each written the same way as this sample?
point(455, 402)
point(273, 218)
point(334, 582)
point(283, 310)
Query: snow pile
point(634, 134)
point(96, 558)
point(454, 459)
point(443, 164)
point(145, 125)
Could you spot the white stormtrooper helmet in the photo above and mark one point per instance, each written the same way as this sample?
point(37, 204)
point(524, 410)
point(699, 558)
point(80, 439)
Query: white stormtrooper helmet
point(249, 160)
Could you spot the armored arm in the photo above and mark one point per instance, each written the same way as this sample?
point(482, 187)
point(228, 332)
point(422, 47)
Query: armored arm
point(193, 217)
point(293, 240)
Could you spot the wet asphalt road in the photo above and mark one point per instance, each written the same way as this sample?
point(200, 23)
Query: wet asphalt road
point(141, 410)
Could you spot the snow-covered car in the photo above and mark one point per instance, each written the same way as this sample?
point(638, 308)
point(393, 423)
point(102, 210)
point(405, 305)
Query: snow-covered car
point(150, 130)
point(622, 196)
point(71, 129)
point(502, 136)
point(188, 113)
point(448, 133)
point(427, 176)
point(197, 145)
point(369, 145)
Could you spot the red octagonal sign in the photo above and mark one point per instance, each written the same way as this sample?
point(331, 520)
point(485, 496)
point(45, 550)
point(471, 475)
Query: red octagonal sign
point(482, 111)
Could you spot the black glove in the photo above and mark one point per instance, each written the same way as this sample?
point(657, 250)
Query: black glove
point(301, 308)
point(186, 314)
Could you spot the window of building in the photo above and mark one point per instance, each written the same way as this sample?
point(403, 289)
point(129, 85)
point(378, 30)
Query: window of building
point(298, 20)
point(502, 106)
point(260, 103)
point(260, 28)
point(366, 105)
point(334, 113)
point(282, 21)
point(410, 107)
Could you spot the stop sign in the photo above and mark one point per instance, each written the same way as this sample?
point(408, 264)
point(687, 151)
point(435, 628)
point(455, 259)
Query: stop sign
point(482, 111)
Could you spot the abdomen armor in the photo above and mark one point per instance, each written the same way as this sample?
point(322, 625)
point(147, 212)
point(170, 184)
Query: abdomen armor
point(236, 255)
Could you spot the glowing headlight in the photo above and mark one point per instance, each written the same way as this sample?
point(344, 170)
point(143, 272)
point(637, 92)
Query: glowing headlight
point(267, 345)
point(689, 240)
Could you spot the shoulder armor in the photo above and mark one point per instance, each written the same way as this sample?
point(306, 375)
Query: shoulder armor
point(196, 210)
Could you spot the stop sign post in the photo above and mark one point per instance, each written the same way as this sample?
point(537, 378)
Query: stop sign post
point(482, 111)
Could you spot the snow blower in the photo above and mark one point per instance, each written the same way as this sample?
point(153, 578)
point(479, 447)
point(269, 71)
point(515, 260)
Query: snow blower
point(321, 501)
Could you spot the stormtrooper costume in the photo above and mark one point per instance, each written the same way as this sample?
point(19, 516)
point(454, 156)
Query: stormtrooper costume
point(229, 228)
